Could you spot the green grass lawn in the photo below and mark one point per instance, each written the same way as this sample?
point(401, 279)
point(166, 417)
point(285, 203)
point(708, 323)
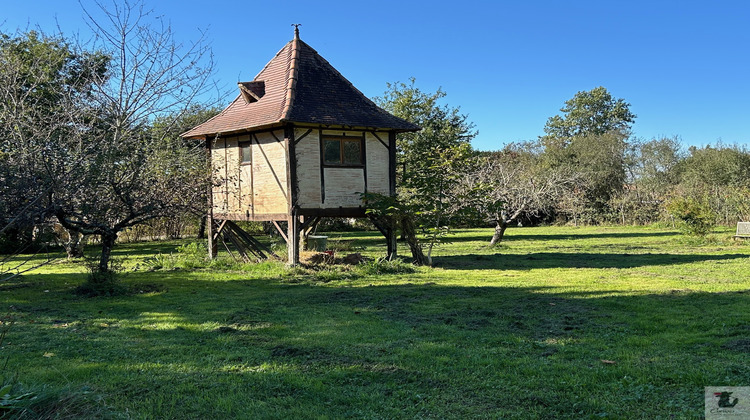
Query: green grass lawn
point(557, 322)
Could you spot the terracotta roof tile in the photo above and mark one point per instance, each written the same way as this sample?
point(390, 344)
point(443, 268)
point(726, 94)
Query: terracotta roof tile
point(301, 87)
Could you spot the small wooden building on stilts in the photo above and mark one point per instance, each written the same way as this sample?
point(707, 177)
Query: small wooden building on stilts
point(299, 142)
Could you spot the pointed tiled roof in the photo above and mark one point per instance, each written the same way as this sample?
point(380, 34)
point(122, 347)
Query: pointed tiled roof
point(300, 86)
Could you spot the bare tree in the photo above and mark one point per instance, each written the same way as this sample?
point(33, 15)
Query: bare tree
point(42, 79)
point(134, 175)
point(507, 184)
point(77, 140)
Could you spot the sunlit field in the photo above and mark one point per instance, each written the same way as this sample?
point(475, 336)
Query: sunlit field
point(556, 322)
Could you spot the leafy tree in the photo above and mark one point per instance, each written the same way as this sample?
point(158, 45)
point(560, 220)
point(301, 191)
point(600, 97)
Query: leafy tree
point(720, 174)
point(428, 160)
point(716, 166)
point(589, 113)
point(652, 173)
point(590, 138)
point(656, 161)
point(443, 127)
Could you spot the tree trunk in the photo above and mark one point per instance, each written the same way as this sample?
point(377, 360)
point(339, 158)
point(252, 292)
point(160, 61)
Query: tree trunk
point(108, 242)
point(74, 244)
point(387, 226)
point(500, 226)
point(410, 234)
point(502, 222)
point(202, 228)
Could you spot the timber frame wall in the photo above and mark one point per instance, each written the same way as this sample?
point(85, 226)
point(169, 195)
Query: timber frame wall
point(285, 178)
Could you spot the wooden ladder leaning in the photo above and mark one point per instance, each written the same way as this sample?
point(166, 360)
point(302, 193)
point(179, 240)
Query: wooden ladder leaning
point(244, 243)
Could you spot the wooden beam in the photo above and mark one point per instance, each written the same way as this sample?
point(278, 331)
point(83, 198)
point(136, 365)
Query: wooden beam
point(297, 140)
point(363, 159)
point(310, 225)
point(259, 217)
point(281, 231)
point(252, 244)
point(379, 139)
point(322, 168)
point(220, 229)
point(334, 212)
point(293, 232)
point(392, 163)
point(226, 176)
point(291, 167)
point(213, 248)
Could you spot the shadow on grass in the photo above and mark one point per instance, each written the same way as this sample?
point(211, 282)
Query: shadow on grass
point(518, 234)
point(370, 350)
point(541, 260)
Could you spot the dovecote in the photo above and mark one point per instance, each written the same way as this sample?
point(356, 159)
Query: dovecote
point(298, 143)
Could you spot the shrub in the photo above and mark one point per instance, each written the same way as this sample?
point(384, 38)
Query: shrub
point(694, 216)
point(103, 283)
point(189, 256)
point(192, 255)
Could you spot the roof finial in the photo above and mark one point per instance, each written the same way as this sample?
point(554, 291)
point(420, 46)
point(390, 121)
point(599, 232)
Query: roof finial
point(296, 30)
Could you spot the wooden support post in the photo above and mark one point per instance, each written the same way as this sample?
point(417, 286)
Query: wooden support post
point(213, 246)
point(292, 243)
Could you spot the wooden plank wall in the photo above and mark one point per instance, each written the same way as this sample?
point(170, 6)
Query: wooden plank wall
point(308, 169)
point(246, 191)
point(269, 187)
point(255, 189)
point(377, 163)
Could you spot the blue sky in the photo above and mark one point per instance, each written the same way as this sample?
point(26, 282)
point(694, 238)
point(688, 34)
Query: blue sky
point(683, 66)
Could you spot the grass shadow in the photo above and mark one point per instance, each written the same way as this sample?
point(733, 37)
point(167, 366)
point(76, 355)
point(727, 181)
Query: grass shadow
point(546, 260)
point(266, 348)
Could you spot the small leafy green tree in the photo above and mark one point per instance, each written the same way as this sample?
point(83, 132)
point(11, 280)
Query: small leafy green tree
point(694, 214)
point(428, 161)
point(721, 175)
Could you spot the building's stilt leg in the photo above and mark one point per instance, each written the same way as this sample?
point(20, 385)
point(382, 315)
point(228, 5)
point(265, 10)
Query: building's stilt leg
point(213, 245)
point(293, 233)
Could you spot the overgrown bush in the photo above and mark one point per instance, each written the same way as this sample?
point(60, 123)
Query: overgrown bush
point(694, 215)
point(103, 283)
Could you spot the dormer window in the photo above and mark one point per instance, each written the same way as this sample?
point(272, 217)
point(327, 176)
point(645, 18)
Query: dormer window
point(252, 91)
